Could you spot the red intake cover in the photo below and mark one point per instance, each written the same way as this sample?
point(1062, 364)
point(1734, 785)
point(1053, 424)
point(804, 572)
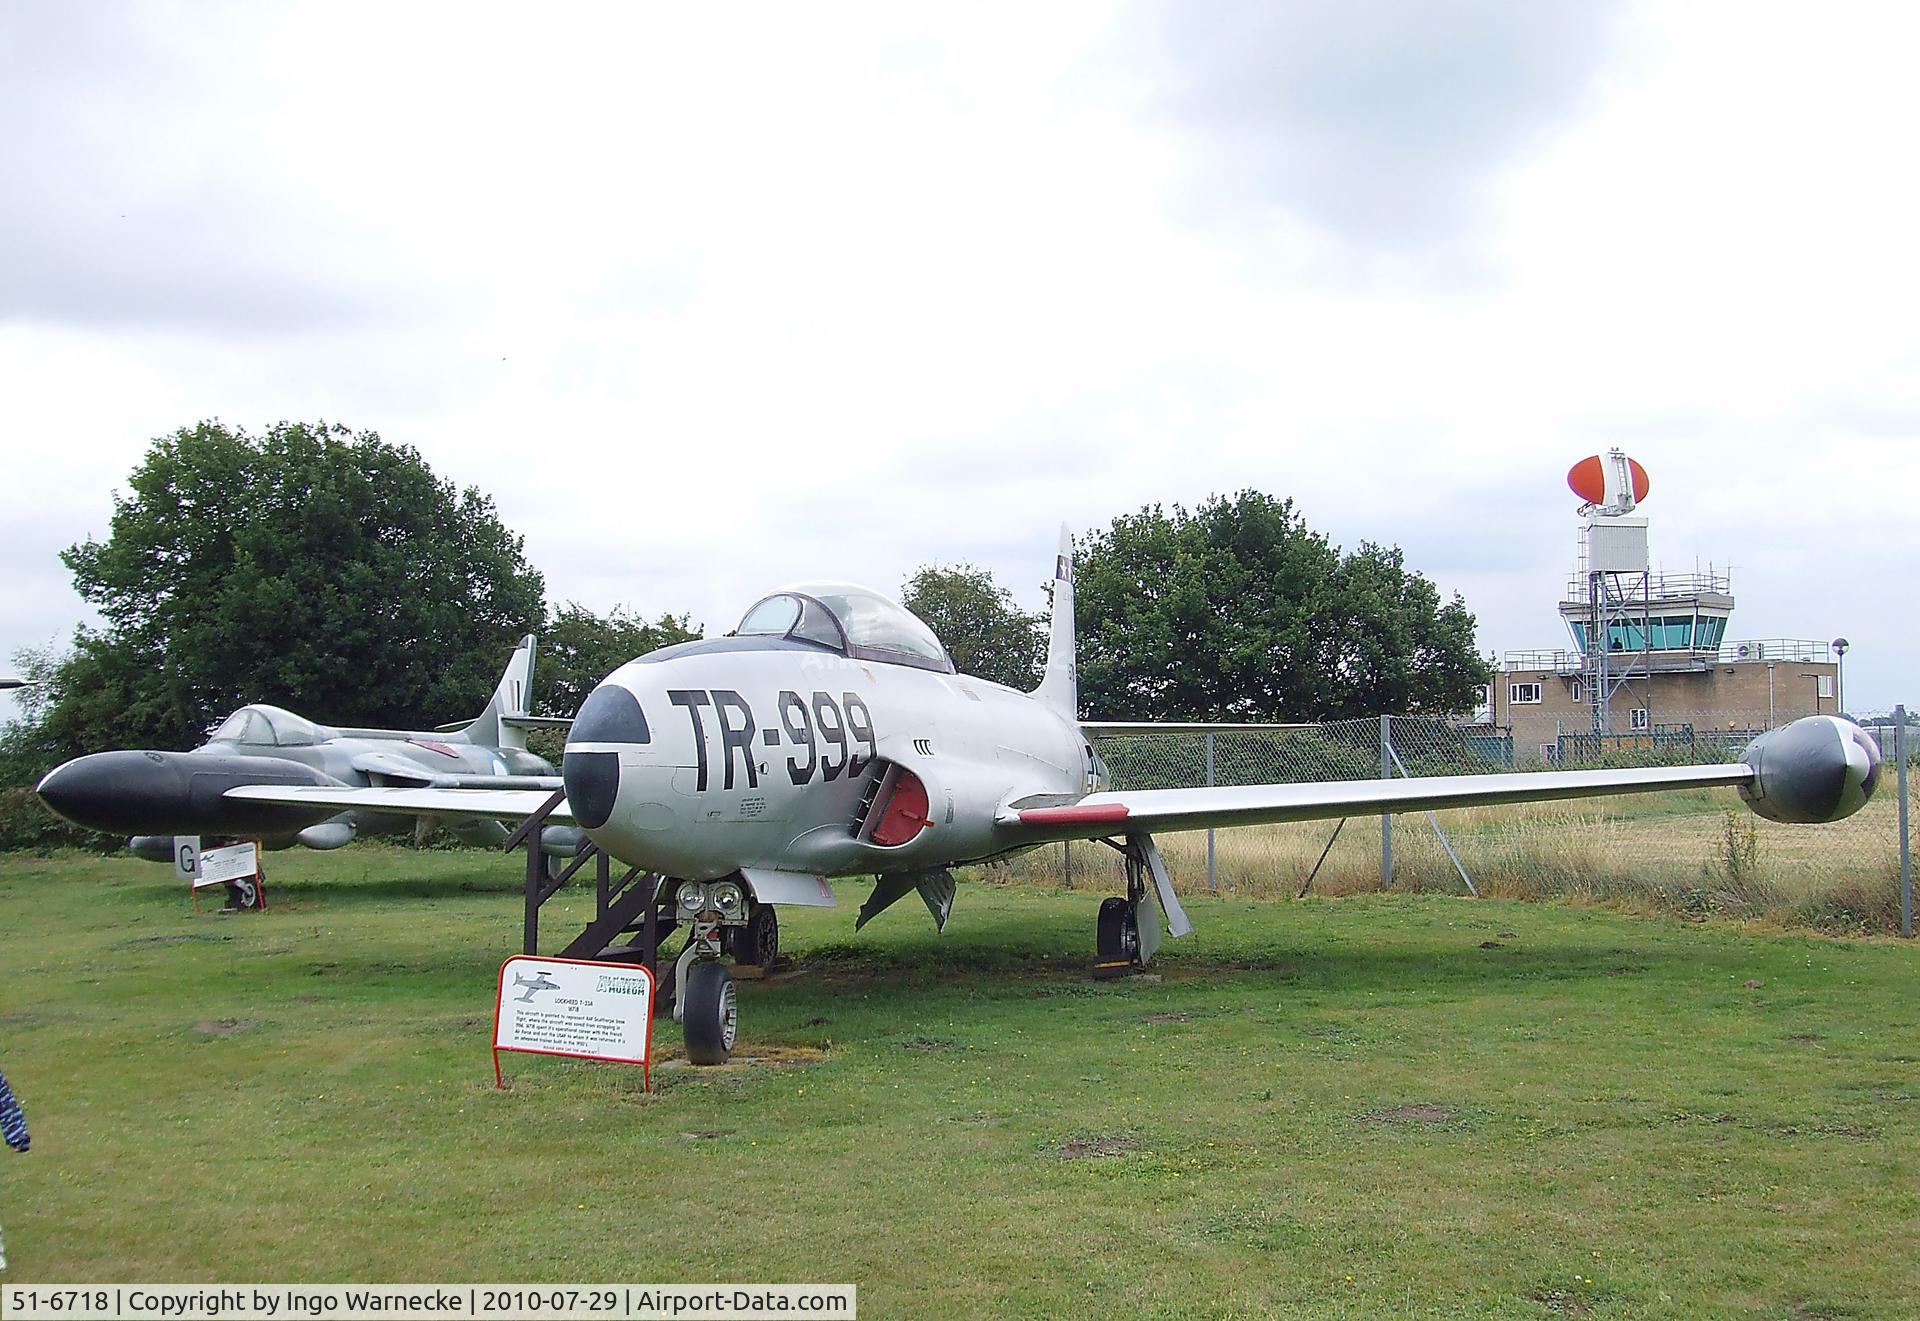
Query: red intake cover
point(905, 814)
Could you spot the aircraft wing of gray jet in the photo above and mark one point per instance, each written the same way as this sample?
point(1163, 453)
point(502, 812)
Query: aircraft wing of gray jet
point(154, 796)
point(830, 735)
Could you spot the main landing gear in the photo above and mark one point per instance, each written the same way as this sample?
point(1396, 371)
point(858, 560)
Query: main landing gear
point(1128, 933)
point(756, 944)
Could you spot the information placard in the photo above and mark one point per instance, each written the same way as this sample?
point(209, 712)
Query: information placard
point(576, 1007)
point(235, 862)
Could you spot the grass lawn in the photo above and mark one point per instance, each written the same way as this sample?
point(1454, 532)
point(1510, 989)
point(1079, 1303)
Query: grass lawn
point(1358, 1107)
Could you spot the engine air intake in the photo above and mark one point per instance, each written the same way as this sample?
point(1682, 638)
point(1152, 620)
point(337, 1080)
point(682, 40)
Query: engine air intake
point(898, 811)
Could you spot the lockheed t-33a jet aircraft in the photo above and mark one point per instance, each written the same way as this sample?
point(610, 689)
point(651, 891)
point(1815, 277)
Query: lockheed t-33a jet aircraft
point(829, 735)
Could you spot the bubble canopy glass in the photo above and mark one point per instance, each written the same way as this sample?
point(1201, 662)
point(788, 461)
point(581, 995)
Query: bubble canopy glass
point(854, 621)
point(267, 726)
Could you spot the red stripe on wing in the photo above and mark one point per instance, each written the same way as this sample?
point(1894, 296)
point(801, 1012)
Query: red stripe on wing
point(1074, 815)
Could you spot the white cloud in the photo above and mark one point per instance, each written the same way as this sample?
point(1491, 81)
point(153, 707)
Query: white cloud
point(713, 299)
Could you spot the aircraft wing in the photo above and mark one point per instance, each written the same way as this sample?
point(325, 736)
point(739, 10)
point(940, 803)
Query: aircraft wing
point(1117, 813)
point(482, 801)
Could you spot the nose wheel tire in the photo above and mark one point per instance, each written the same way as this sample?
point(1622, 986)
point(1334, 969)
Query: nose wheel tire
point(1117, 939)
point(712, 1015)
point(758, 942)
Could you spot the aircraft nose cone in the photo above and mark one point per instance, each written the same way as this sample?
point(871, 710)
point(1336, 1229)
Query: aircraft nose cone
point(109, 790)
point(609, 719)
point(593, 782)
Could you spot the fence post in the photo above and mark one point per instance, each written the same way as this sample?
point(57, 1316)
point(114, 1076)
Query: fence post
point(1386, 819)
point(1906, 852)
point(1210, 875)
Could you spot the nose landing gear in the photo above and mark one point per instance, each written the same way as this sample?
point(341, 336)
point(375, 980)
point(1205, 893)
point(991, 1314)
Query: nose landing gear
point(720, 919)
point(711, 1012)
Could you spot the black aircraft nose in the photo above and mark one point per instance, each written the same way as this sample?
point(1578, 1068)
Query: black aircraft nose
point(591, 769)
point(114, 791)
point(177, 793)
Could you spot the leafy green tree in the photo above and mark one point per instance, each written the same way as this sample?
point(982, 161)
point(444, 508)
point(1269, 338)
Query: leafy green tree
point(984, 631)
point(307, 566)
point(579, 648)
point(1237, 610)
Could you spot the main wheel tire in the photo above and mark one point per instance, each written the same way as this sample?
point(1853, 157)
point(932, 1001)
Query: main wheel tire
point(244, 894)
point(712, 1015)
point(1116, 940)
point(758, 942)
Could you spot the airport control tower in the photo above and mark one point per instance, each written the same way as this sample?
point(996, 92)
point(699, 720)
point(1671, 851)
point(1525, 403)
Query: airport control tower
point(1650, 662)
point(1627, 622)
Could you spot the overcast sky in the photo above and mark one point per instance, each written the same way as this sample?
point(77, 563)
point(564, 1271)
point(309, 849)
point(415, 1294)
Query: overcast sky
point(712, 297)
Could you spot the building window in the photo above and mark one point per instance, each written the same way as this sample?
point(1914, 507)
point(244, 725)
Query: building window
point(1577, 690)
point(1522, 694)
point(1642, 718)
point(1826, 685)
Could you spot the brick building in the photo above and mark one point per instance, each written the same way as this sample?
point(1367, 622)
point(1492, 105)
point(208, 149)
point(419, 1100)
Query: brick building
point(1650, 665)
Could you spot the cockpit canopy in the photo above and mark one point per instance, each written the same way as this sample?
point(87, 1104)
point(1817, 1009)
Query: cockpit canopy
point(853, 621)
point(263, 726)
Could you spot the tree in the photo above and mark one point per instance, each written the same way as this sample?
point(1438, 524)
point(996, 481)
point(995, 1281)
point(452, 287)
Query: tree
point(579, 649)
point(1237, 610)
point(307, 566)
point(984, 631)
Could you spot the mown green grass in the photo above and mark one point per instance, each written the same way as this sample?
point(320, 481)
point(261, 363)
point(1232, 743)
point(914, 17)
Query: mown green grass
point(1345, 1108)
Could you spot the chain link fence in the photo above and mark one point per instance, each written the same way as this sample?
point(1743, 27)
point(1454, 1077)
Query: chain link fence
point(1696, 852)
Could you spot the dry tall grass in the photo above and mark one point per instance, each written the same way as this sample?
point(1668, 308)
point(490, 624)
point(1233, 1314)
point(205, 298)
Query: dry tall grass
point(1695, 853)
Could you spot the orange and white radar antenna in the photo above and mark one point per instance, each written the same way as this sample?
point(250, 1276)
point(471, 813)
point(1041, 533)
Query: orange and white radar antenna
point(1611, 486)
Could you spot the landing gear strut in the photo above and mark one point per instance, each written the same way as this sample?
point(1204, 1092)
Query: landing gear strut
point(1128, 934)
point(722, 917)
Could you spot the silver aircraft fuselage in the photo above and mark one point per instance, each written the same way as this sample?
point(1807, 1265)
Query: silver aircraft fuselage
point(762, 753)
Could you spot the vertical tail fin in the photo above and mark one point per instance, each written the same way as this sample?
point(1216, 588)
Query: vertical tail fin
point(1060, 686)
point(511, 697)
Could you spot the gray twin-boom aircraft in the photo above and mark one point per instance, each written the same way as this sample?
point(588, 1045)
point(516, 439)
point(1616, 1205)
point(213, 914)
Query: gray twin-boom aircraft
point(154, 796)
point(829, 735)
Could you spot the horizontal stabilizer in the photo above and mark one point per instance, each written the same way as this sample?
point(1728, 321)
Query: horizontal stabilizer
point(537, 722)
